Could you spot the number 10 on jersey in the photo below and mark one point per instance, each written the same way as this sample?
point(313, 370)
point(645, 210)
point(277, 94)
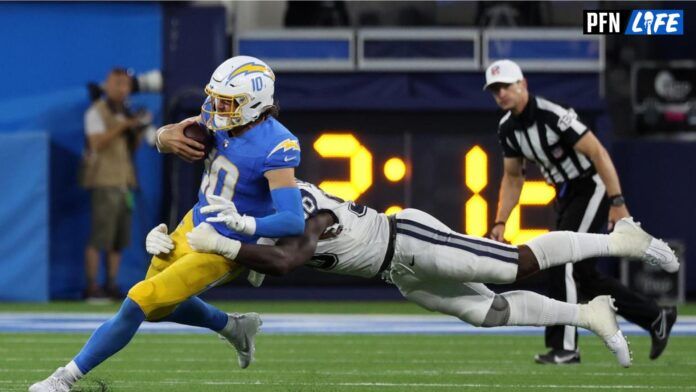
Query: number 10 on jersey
point(220, 177)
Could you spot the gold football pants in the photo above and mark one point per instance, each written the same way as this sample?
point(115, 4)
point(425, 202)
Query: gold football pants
point(183, 273)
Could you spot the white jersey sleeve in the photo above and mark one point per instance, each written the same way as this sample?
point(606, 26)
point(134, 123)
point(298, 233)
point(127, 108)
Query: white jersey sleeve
point(356, 244)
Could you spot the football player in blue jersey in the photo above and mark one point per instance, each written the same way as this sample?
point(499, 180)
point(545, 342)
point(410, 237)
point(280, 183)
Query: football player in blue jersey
point(248, 191)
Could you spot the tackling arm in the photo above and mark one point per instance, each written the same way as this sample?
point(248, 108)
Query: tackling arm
point(288, 253)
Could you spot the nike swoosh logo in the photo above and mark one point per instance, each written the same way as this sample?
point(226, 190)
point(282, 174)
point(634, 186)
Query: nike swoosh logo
point(661, 331)
point(290, 159)
point(413, 261)
point(563, 358)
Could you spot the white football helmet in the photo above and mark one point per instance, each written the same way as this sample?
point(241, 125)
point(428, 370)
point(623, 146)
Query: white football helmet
point(240, 90)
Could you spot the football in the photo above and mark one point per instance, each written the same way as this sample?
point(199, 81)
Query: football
point(200, 134)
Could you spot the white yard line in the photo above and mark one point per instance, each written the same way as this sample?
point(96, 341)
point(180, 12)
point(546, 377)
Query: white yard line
point(303, 324)
point(287, 383)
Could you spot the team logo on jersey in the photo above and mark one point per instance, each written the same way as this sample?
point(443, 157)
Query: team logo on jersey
point(286, 145)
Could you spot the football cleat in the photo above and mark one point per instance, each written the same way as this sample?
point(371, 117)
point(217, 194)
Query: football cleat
point(629, 239)
point(660, 329)
point(558, 357)
point(242, 334)
point(60, 381)
point(599, 316)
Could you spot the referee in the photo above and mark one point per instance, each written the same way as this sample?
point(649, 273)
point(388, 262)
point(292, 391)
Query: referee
point(573, 160)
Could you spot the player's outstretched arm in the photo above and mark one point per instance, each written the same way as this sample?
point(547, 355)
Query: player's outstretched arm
point(288, 253)
point(279, 259)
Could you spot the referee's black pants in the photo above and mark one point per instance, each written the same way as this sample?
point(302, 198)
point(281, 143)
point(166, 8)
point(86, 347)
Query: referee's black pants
point(583, 206)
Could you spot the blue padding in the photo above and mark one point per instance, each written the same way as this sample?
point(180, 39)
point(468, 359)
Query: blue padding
point(414, 49)
point(24, 217)
point(543, 49)
point(296, 49)
point(77, 43)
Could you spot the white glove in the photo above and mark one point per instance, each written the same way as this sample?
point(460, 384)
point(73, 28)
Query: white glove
point(158, 241)
point(227, 213)
point(205, 239)
point(255, 278)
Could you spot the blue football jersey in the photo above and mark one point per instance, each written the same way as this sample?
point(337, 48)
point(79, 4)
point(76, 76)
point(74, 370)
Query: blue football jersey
point(235, 167)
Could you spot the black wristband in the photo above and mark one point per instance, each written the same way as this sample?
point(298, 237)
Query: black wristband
point(498, 223)
point(617, 200)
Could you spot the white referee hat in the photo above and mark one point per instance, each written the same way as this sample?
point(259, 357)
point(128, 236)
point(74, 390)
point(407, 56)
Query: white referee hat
point(503, 71)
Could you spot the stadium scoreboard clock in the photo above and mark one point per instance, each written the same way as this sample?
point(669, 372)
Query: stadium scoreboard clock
point(455, 176)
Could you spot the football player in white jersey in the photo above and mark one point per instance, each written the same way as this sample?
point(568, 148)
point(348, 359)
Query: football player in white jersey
point(442, 270)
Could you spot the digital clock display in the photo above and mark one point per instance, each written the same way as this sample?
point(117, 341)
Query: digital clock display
point(450, 168)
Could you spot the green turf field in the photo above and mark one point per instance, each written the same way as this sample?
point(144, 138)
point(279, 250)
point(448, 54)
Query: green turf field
point(346, 363)
point(320, 307)
point(293, 363)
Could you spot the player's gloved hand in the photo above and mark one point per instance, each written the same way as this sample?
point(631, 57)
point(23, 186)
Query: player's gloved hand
point(205, 239)
point(158, 241)
point(227, 213)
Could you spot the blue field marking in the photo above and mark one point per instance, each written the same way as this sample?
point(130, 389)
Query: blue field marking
point(305, 324)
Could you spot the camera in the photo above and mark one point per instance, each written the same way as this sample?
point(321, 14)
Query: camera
point(145, 126)
point(146, 82)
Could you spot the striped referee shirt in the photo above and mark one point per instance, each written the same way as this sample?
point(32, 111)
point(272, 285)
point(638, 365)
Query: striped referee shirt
point(545, 133)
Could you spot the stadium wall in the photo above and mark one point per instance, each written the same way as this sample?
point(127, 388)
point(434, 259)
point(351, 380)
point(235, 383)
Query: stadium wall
point(24, 213)
point(43, 88)
point(658, 181)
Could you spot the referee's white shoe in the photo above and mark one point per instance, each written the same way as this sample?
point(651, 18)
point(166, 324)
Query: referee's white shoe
point(628, 238)
point(599, 315)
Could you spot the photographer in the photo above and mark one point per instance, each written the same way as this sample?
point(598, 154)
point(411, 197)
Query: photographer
point(112, 134)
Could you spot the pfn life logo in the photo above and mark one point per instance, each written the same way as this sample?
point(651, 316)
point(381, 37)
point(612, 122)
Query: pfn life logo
point(634, 22)
point(656, 22)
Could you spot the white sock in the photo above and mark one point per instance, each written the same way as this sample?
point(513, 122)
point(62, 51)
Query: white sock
point(563, 247)
point(530, 308)
point(584, 316)
point(229, 327)
point(74, 371)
